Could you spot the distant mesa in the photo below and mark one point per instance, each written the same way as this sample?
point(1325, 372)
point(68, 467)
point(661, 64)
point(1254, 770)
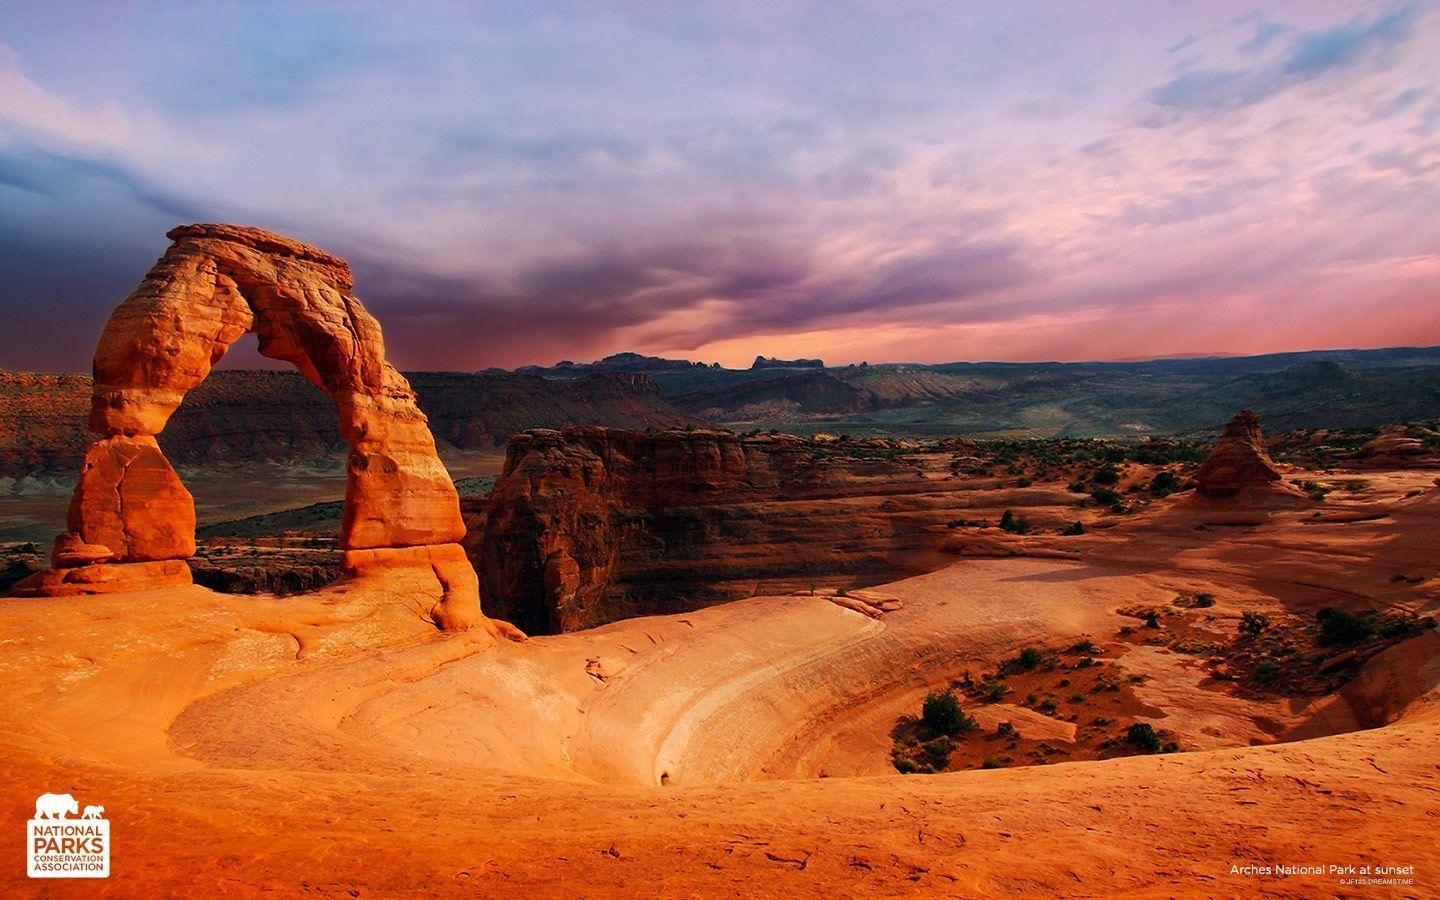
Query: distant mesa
point(1238, 462)
point(617, 362)
point(771, 362)
point(131, 522)
point(249, 417)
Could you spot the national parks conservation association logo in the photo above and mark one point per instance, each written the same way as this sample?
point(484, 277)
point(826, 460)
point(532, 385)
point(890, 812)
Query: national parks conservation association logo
point(62, 847)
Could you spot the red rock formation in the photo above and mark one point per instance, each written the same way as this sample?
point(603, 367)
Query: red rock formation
point(214, 284)
point(1239, 461)
point(1399, 449)
point(591, 525)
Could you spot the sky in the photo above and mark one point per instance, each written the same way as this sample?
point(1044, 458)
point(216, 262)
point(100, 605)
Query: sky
point(520, 183)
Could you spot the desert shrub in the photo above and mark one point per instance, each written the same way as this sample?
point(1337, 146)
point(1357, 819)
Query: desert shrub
point(1266, 672)
point(1077, 698)
point(1152, 619)
point(1142, 735)
point(1192, 646)
point(1073, 528)
point(1204, 601)
point(1396, 626)
point(1108, 475)
point(941, 713)
point(1105, 496)
point(1340, 627)
point(1049, 705)
point(1005, 729)
point(1014, 524)
point(1253, 623)
point(1086, 646)
point(1163, 484)
point(993, 691)
point(993, 762)
point(936, 753)
point(1030, 658)
point(1023, 482)
point(1077, 487)
point(1170, 747)
point(906, 766)
point(841, 592)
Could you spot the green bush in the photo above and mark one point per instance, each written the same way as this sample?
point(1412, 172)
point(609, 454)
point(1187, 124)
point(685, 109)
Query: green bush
point(1030, 658)
point(1073, 528)
point(993, 691)
point(993, 762)
point(1340, 627)
point(1014, 524)
point(937, 753)
point(906, 766)
point(941, 713)
point(1142, 735)
point(1108, 475)
point(1163, 484)
point(1253, 623)
point(1204, 601)
point(1105, 496)
point(1266, 672)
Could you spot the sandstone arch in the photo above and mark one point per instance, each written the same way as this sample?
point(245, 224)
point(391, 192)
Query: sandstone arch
point(131, 521)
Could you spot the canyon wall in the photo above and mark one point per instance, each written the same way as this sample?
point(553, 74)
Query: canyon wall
point(592, 525)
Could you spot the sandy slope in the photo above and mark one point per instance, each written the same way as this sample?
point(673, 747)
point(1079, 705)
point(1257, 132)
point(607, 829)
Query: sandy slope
point(334, 744)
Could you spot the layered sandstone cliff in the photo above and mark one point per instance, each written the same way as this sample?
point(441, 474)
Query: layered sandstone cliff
point(591, 525)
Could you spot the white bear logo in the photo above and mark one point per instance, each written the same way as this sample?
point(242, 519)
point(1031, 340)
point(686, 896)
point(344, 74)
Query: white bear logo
point(55, 806)
point(93, 812)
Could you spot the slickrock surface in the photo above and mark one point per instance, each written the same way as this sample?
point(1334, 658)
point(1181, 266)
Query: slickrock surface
point(214, 284)
point(680, 755)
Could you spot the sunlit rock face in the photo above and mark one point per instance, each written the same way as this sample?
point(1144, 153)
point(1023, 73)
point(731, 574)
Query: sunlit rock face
point(1238, 461)
point(215, 284)
point(592, 525)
